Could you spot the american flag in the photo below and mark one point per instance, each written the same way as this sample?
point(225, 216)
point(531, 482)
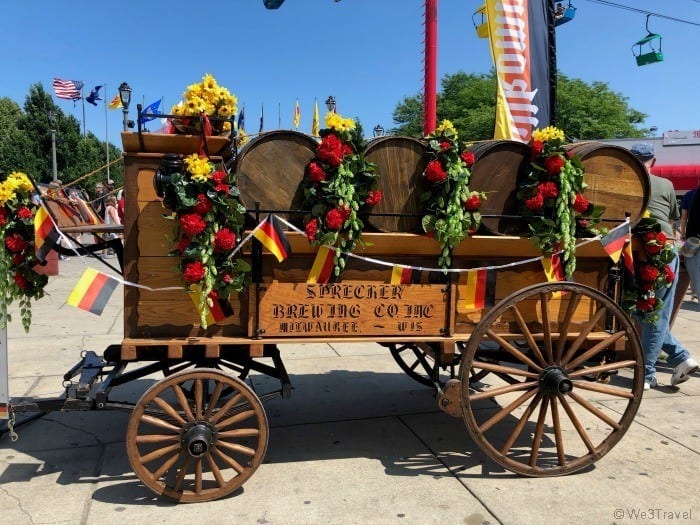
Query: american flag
point(68, 89)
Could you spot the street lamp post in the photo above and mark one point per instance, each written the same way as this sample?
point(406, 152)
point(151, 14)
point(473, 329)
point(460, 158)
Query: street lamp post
point(378, 130)
point(52, 121)
point(125, 98)
point(330, 103)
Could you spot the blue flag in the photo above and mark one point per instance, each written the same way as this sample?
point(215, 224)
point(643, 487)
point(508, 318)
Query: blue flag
point(94, 96)
point(151, 109)
point(241, 119)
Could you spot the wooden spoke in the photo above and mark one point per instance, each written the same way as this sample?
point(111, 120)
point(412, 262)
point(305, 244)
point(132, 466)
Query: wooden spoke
point(521, 424)
point(577, 424)
point(198, 399)
point(582, 336)
point(602, 368)
point(493, 392)
point(156, 438)
point(507, 410)
point(605, 343)
point(229, 460)
point(239, 433)
point(505, 345)
point(165, 461)
point(574, 301)
point(518, 434)
point(235, 447)
point(167, 465)
point(159, 453)
point(539, 431)
point(235, 419)
point(214, 399)
point(156, 422)
point(558, 438)
point(168, 409)
point(493, 367)
point(182, 399)
point(603, 389)
point(546, 329)
point(595, 411)
point(215, 470)
point(224, 409)
point(528, 335)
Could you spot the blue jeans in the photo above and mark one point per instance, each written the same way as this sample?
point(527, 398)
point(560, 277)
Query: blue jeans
point(657, 336)
point(692, 266)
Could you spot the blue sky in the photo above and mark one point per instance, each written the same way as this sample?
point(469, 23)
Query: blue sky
point(366, 53)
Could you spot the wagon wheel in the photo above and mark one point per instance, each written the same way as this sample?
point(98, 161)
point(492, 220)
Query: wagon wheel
point(418, 361)
point(545, 413)
point(196, 449)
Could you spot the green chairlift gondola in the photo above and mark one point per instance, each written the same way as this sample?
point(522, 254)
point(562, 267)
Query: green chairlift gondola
point(480, 23)
point(562, 14)
point(648, 49)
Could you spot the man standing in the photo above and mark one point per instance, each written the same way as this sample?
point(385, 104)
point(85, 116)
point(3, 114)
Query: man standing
point(657, 336)
point(99, 202)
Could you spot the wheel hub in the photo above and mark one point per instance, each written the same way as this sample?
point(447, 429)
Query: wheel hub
point(198, 438)
point(554, 381)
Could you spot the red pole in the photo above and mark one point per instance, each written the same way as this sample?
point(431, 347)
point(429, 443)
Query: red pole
point(430, 88)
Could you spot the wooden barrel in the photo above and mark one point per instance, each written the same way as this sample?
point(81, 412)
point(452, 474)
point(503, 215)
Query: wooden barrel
point(400, 163)
point(615, 178)
point(499, 166)
point(271, 169)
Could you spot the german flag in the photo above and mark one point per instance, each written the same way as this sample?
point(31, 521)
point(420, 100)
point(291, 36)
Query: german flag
point(479, 292)
point(553, 268)
point(4, 414)
point(92, 292)
point(272, 237)
point(324, 264)
point(403, 275)
point(46, 235)
point(614, 242)
point(218, 311)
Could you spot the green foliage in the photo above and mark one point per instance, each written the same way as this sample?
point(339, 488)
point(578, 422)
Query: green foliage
point(584, 111)
point(25, 143)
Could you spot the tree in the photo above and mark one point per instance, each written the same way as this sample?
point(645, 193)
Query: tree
point(584, 112)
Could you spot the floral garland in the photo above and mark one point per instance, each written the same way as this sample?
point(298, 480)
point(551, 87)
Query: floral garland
point(209, 221)
point(206, 97)
point(451, 210)
point(652, 272)
point(339, 184)
point(18, 280)
point(552, 198)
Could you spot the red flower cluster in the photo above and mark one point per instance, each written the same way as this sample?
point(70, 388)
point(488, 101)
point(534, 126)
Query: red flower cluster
point(445, 145)
point(646, 304)
point(192, 224)
point(549, 189)
point(669, 274)
point(224, 240)
point(374, 197)
point(472, 203)
point(25, 213)
point(311, 229)
point(468, 158)
point(654, 242)
point(315, 172)
point(648, 273)
point(335, 219)
point(21, 281)
point(536, 147)
point(218, 176)
point(194, 272)
point(536, 202)
point(15, 243)
point(203, 205)
point(581, 205)
point(183, 244)
point(331, 150)
point(553, 164)
point(222, 188)
point(435, 173)
point(3, 216)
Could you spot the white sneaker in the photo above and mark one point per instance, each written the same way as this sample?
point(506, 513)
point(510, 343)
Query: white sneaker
point(682, 372)
point(648, 385)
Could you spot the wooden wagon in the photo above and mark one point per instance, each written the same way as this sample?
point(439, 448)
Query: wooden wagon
point(547, 380)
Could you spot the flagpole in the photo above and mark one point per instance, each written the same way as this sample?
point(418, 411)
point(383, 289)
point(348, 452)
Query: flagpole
point(279, 115)
point(82, 99)
point(106, 132)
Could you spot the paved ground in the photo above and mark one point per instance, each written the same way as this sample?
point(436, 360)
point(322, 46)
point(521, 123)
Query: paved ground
point(358, 443)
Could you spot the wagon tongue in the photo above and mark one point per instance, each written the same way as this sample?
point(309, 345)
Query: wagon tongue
point(554, 381)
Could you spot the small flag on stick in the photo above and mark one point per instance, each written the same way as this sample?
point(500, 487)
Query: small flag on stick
point(614, 242)
point(479, 292)
point(402, 275)
point(324, 264)
point(219, 310)
point(297, 114)
point(92, 292)
point(272, 237)
point(115, 103)
point(46, 235)
point(315, 127)
point(554, 270)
